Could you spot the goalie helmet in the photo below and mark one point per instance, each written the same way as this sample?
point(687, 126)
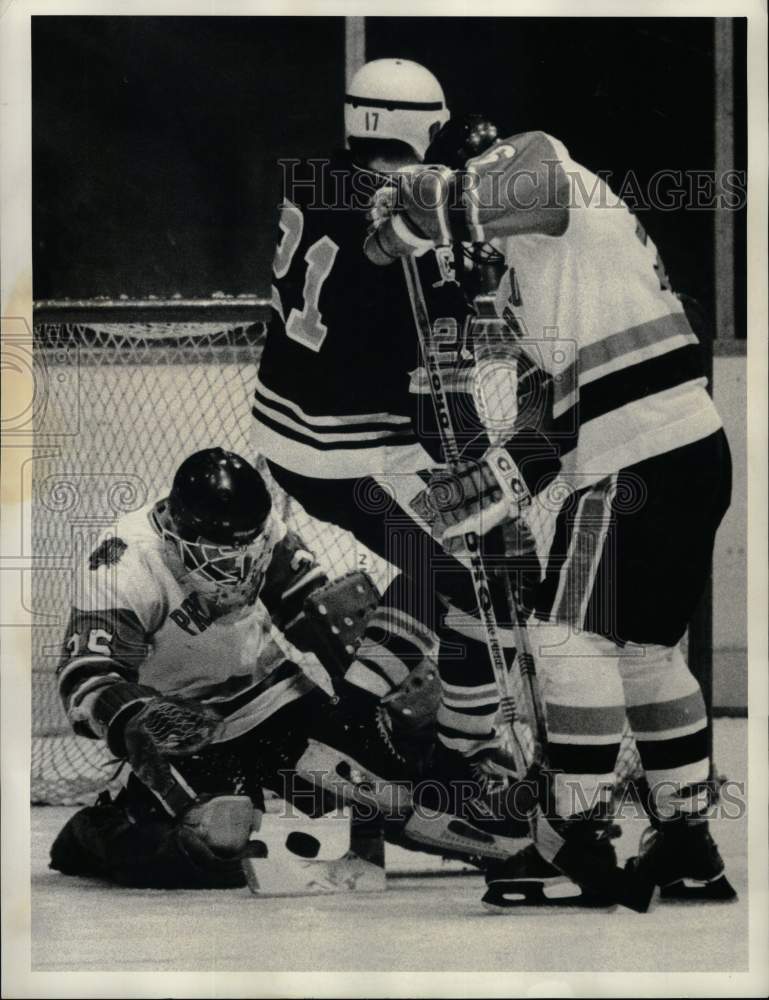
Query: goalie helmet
point(395, 99)
point(218, 520)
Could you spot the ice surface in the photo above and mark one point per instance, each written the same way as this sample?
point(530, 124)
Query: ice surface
point(417, 924)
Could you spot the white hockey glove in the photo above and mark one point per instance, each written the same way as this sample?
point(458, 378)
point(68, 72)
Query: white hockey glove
point(472, 498)
point(411, 215)
point(383, 203)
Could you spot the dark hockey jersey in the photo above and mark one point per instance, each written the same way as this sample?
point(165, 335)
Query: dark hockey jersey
point(332, 395)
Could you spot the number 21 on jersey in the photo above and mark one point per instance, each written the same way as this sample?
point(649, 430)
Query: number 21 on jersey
point(304, 325)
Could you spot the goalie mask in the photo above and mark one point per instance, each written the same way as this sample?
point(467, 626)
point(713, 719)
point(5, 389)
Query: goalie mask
point(218, 519)
point(395, 99)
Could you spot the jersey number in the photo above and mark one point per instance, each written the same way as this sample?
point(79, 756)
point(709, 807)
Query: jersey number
point(305, 325)
point(98, 642)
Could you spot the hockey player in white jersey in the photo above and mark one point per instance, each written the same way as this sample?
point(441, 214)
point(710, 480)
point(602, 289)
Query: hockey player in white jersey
point(180, 654)
point(644, 463)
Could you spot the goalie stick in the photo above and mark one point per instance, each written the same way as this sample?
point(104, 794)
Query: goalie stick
point(356, 786)
point(626, 887)
point(289, 867)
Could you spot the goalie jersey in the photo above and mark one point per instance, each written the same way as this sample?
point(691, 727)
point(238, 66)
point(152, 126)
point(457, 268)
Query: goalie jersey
point(140, 629)
point(332, 391)
point(587, 298)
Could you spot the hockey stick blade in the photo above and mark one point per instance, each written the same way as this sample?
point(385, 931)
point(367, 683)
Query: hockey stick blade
point(451, 834)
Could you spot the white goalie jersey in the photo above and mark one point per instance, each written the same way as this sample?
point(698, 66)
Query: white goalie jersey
point(138, 627)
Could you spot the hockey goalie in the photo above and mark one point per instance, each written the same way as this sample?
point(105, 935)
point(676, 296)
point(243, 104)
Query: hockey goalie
point(180, 654)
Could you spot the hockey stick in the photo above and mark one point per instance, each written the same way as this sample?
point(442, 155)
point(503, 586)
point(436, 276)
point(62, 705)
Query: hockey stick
point(288, 866)
point(527, 668)
point(451, 454)
point(631, 889)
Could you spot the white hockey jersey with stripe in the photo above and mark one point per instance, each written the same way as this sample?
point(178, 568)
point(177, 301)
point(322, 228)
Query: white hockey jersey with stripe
point(585, 296)
point(591, 305)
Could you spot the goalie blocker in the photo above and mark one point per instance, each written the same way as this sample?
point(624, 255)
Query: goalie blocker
point(332, 620)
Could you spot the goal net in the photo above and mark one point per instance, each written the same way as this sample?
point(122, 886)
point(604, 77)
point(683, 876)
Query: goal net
point(130, 390)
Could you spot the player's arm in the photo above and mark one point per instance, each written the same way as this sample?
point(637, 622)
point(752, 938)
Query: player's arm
point(517, 187)
point(317, 615)
point(292, 575)
point(98, 674)
point(109, 636)
point(107, 640)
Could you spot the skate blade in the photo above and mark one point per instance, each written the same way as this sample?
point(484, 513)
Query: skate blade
point(541, 896)
point(286, 876)
point(719, 890)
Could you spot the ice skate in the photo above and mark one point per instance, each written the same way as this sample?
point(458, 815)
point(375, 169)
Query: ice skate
point(685, 862)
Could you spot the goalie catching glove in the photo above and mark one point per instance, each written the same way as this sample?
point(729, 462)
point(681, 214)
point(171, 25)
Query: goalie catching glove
point(165, 728)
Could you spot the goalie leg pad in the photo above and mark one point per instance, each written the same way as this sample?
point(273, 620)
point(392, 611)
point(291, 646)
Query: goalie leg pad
point(102, 842)
point(453, 835)
point(290, 869)
point(271, 877)
point(350, 782)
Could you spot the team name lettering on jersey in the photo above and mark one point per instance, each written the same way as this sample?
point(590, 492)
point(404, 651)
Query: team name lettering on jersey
point(191, 613)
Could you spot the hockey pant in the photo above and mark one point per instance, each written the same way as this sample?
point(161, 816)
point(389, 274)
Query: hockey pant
point(628, 564)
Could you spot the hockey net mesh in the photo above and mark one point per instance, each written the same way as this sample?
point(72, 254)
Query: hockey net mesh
point(125, 402)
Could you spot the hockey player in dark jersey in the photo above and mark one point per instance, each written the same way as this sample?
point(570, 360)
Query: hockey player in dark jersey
point(334, 408)
point(339, 412)
point(644, 482)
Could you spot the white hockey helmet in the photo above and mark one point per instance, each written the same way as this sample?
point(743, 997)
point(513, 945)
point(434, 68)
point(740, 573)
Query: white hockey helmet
point(395, 99)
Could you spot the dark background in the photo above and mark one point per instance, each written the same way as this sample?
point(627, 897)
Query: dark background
point(155, 138)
